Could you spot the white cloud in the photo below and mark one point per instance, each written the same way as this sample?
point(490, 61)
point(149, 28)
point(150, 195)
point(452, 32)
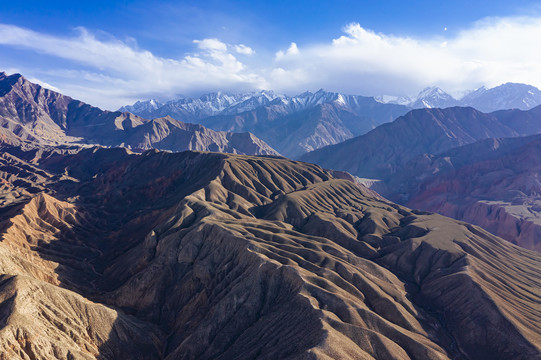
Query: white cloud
point(211, 44)
point(111, 72)
point(118, 71)
point(243, 49)
point(291, 51)
point(491, 52)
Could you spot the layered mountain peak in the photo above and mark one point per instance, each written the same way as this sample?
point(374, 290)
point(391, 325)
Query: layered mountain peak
point(142, 106)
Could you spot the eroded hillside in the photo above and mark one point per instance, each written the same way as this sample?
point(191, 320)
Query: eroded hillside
point(195, 255)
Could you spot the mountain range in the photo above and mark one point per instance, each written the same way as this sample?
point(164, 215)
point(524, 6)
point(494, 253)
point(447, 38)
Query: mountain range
point(503, 97)
point(291, 125)
point(110, 254)
point(306, 122)
point(113, 248)
point(382, 151)
point(30, 113)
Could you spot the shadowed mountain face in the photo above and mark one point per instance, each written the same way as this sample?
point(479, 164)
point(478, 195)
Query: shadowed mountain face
point(32, 114)
point(193, 255)
point(493, 183)
point(385, 150)
point(294, 129)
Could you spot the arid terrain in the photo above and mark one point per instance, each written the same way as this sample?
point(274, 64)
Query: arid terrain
point(193, 255)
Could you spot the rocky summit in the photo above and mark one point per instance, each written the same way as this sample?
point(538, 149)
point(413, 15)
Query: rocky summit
point(110, 254)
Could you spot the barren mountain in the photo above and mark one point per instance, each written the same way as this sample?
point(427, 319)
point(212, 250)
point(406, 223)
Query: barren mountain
point(385, 150)
point(494, 183)
point(195, 255)
point(31, 113)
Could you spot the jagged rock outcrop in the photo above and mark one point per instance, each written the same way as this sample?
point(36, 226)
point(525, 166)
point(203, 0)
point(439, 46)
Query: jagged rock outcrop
point(212, 256)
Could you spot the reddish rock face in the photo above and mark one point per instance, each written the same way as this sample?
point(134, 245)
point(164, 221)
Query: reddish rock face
point(495, 184)
point(110, 254)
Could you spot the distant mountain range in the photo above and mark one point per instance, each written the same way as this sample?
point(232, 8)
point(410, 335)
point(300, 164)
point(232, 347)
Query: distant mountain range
point(30, 113)
point(291, 125)
point(384, 150)
point(299, 124)
point(505, 96)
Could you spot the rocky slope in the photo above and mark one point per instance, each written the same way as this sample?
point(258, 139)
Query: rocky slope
point(385, 150)
point(494, 183)
point(30, 113)
point(212, 256)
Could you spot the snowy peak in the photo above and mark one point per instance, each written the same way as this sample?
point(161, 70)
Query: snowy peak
point(142, 106)
point(433, 97)
point(505, 96)
point(193, 109)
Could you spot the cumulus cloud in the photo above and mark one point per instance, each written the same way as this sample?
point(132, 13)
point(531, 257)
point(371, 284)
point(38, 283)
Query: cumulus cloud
point(109, 72)
point(491, 52)
point(291, 51)
point(117, 71)
point(245, 50)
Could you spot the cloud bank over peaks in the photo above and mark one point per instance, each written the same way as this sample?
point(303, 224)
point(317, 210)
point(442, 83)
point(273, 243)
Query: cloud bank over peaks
point(491, 52)
point(109, 72)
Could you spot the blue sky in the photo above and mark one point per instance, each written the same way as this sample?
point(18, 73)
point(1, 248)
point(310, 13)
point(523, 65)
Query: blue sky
point(112, 53)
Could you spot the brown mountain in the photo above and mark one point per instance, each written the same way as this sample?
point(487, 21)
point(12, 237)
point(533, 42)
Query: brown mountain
point(31, 113)
point(494, 183)
point(385, 150)
point(109, 254)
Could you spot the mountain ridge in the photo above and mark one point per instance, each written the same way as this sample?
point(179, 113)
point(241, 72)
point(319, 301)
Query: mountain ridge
point(31, 113)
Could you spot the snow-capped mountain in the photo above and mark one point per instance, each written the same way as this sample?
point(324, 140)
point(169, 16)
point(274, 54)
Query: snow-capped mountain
point(192, 109)
point(433, 97)
point(505, 96)
point(142, 107)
